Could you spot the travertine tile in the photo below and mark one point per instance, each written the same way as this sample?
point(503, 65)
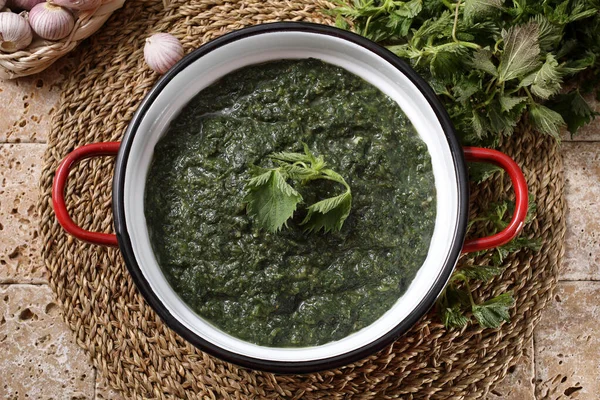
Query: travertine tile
point(28, 104)
point(39, 358)
point(20, 168)
point(518, 383)
point(567, 343)
point(582, 190)
point(104, 391)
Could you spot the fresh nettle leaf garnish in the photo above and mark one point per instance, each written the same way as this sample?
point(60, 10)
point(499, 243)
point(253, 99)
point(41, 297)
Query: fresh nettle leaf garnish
point(272, 201)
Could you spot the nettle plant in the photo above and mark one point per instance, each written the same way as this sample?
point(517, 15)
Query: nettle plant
point(493, 64)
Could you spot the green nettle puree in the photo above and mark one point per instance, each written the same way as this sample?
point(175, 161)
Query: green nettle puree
point(291, 288)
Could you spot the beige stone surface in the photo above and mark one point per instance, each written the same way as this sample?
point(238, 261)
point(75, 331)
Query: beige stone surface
point(567, 342)
point(20, 168)
point(104, 391)
point(582, 190)
point(28, 104)
point(39, 358)
point(519, 381)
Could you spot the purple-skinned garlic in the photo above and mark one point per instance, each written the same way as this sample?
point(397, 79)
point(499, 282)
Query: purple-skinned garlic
point(50, 21)
point(15, 33)
point(162, 51)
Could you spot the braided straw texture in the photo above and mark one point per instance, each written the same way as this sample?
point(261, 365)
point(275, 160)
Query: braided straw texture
point(143, 358)
point(40, 54)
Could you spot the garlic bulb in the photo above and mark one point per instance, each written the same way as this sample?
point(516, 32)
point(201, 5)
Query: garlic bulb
point(162, 51)
point(51, 22)
point(24, 4)
point(78, 4)
point(15, 33)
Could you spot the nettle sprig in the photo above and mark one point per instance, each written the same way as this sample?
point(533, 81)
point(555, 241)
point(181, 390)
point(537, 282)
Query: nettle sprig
point(457, 305)
point(272, 201)
point(491, 62)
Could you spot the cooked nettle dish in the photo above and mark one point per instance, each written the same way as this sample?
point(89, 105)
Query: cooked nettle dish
point(291, 203)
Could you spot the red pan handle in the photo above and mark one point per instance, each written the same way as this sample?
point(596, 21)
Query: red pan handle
point(477, 154)
point(473, 154)
point(58, 192)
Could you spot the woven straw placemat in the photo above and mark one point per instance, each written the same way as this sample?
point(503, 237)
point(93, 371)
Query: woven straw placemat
point(140, 356)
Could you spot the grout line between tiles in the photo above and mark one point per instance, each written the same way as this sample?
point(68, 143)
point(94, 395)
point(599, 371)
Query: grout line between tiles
point(580, 141)
point(535, 372)
point(13, 283)
point(2, 143)
point(578, 280)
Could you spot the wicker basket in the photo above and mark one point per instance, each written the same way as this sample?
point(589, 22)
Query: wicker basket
point(42, 53)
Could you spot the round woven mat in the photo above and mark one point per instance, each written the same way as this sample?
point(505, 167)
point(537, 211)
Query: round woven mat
point(140, 356)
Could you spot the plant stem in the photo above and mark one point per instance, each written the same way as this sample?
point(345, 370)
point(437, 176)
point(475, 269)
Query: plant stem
point(529, 94)
point(455, 21)
point(331, 178)
point(435, 49)
point(448, 4)
point(367, 25)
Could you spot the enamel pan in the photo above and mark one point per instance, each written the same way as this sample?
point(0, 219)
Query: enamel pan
point(261, 44)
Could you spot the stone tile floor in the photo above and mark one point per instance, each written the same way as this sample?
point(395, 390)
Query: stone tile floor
point(39, 358)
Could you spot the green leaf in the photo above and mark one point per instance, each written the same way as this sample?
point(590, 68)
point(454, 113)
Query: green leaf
point(517, 244)
point(492, 313)
point(475, 9)
point(317, 163)
point(481, 272)
point(464, 93)
point(531, 208)
point(261, 177)
point(340, 22)
point(438, 26)
point(271, 200)
point(410, 9)
point(481, 172)
point(291, 157)
point(328, 214)
point(550, 34)
point(453, 317)
point(587, 60)
point(482, 60)
point(522, 242)
point(521, 51)
point(508, 102)
point(546, 81)
point(444, 64)
point(574, 109)
point(298, 172)
point(500, 121)
point(546, 120)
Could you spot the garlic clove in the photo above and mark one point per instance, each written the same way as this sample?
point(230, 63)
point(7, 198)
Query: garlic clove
point(162, 51)
point(78, 4)
point(24, 4)
point(15, 33)
point(50, 21)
